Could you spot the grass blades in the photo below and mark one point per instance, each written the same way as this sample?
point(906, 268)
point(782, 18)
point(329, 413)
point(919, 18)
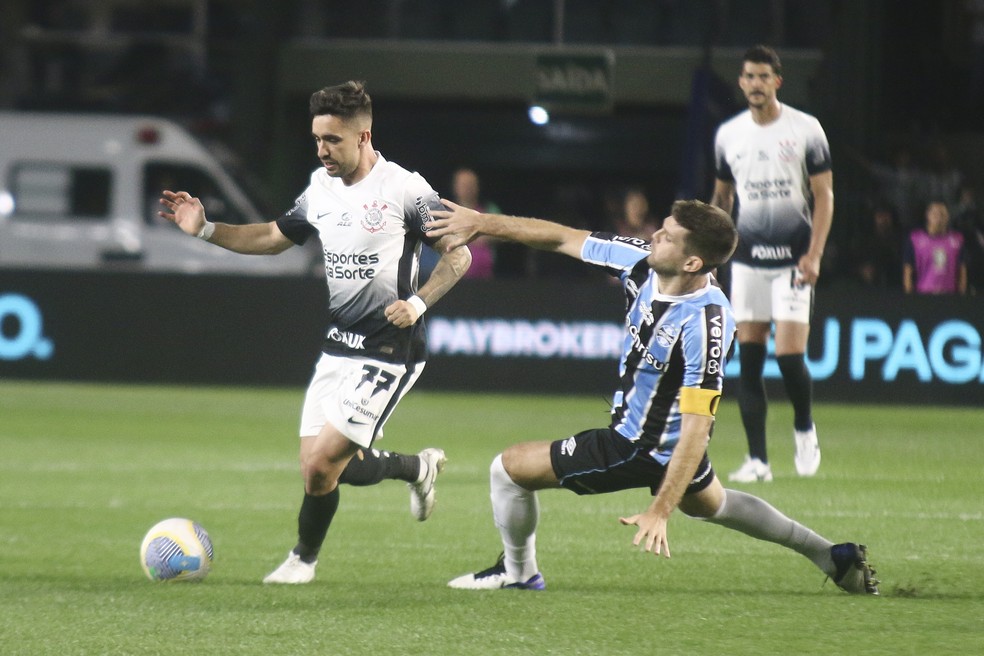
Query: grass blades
point(86, 469)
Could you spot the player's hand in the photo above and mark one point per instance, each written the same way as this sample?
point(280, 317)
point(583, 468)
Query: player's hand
point(184, 210)
point(461, 223)
point(401, 314)
point(809, 269)
point(651, 534)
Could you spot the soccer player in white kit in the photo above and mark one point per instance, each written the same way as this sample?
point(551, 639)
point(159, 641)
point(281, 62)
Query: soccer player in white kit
point(370, 215)
point(775, 159)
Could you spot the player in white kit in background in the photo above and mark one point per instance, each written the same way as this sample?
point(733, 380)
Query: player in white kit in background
point(775, 159)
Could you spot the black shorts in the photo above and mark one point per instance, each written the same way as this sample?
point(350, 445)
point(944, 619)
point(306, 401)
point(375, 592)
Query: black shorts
point(600, 460)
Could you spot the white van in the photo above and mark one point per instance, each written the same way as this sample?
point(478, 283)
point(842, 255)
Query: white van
point(81, 191)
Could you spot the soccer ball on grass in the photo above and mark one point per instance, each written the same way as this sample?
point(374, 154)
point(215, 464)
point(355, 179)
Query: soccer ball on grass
point(176, 549)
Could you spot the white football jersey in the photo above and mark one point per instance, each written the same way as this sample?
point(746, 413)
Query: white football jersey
point(770, 166)
point(371, 234)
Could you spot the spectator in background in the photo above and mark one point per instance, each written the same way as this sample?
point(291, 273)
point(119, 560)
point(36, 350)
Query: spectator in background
point(966, 213)
point(934, 256)
point(944, 178)
point(968, 219)
point(878, 249)
point(901, 183)
point(466, 191)
point(635, 219)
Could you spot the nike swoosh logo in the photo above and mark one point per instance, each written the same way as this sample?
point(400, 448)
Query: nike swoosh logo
point(357, 423)
point(324, 214)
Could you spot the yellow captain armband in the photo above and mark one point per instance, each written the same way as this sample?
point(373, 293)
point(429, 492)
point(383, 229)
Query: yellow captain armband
point(696, 401)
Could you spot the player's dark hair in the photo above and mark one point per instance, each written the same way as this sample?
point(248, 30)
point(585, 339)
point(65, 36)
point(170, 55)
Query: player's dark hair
point(761, 54)
point(711, 234)
point(346, 101)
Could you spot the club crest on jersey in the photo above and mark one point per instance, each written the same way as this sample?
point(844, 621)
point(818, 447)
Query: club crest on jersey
point(374, 221)
point(787, 151)
point(666, 335)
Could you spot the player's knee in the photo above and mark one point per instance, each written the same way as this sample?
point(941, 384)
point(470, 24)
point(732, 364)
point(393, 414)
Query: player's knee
point(704, 504)
point(319, 482)
point(528, 465)
point(515, 462)
point(500, 470)
point(319, 477)
point(507, 459)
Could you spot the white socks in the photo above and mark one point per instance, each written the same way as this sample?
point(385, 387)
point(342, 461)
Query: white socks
point(516, 511)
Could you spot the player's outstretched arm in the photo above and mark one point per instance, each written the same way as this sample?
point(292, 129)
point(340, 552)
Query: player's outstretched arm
point(188, 213)
point(653, 522)
point(462, 225)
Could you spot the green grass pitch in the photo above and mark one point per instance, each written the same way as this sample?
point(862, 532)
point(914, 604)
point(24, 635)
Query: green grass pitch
point(85, 470)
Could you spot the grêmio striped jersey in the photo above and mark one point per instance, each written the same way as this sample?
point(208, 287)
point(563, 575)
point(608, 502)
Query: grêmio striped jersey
point(670, 342)
point(371, 233)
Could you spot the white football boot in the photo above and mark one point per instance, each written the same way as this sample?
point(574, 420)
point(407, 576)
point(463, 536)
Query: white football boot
point(422, 495)
point(752, 470)
point(807, 456)
point(495, 578)
point(292, 571)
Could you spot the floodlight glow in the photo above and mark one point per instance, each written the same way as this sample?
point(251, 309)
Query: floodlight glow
point(538, 115)
point(6, 203)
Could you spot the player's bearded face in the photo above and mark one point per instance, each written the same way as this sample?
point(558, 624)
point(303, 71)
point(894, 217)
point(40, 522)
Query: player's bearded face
point(338, 144)
point(759, 83)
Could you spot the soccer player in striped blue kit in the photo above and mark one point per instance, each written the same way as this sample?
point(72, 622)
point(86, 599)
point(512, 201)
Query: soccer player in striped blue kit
point(679, 333)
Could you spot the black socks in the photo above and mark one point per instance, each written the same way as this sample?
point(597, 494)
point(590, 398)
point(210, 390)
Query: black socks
point(370, 466)
point(752, 399)
point(312, 523)
point(799, 387)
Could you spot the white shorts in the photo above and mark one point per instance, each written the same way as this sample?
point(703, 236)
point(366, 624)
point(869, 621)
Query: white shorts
point(767, 295)
point(355, 395)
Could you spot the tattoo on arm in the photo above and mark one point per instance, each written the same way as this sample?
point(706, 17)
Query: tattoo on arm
point(448, 271)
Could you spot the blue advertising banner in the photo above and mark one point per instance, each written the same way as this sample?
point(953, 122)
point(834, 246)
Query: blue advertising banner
point(865, 345)
point(510, 335)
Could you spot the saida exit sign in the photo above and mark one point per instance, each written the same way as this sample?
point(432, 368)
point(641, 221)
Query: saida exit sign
point(575, 81)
